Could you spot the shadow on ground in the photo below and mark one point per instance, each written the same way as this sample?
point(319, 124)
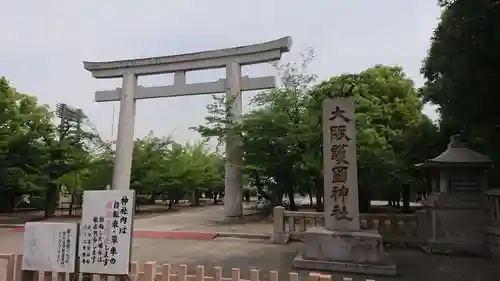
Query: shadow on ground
point(413, 265)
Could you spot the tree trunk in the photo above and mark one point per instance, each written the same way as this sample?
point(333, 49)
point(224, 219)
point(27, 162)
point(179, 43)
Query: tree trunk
point(291, 197)
point(278, 198)
point(8, 202)
point(406, 198)
point(195, 200)
point(319, 194)
point(9, 205)
point(71, 203)
point(260, 188)
point(214, 197)
point(197, 197)
point(310, 199)
point(364, 199)
point(170, 204)
point(51, 200)
point(319, 203)
point(137, 209)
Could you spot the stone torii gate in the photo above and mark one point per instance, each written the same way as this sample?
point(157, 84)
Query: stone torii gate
point(232, 59)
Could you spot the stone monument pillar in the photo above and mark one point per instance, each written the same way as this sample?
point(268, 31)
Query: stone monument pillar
point(339, 166)
point(340, 245)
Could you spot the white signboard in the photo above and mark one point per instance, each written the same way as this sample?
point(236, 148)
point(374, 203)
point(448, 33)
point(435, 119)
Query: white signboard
point(49, 246)
point(106, 231)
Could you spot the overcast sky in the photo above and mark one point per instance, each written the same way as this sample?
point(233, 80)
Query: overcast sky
point(45, 42)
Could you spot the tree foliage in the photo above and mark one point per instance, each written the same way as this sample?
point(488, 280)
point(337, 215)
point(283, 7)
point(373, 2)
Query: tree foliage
point(461, 71)
point(282, 132)
point(461, 68)
point(40, 158)
point(23, 126)
point(171, 170)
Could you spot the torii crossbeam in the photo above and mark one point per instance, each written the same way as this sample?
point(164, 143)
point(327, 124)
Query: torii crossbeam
point(232, 59)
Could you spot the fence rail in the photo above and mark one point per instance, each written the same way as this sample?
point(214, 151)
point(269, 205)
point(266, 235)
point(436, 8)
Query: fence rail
point(151, 271)
point(493, 231)
point(394, 228)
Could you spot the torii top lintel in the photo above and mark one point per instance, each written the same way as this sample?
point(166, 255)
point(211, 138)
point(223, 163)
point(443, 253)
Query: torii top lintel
point(244, 55)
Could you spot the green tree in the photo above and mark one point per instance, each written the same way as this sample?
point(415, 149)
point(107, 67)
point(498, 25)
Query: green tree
point(23, 125)
point(68, 150)
point(461, 69)
point(270, 133)
point(72, 185)
point(99, 172)
point(162, 167)
point(282, 133)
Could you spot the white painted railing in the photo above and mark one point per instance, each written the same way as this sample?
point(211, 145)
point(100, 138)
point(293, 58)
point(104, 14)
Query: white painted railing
point(394, 228)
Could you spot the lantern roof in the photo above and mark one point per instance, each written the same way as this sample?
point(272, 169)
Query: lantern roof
point(458, 153)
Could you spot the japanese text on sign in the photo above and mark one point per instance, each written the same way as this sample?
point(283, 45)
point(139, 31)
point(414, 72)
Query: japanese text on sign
point(50, 247)
point(106, 231)
point(63, 245)
point(339, 141)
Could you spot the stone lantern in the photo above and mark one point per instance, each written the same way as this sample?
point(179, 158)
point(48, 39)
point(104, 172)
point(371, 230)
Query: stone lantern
point(455, 214)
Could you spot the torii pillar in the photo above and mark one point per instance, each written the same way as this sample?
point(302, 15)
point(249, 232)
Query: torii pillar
point(232, 59)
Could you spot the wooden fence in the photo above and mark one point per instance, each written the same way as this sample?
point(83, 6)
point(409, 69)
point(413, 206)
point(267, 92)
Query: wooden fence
point(394, 228)
point(150, 271)
point(10, 268)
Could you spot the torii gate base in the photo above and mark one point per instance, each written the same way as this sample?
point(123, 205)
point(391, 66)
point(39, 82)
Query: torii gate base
point(232, 59)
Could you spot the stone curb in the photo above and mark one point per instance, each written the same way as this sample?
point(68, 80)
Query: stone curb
point(264, 236)
point(7, 225)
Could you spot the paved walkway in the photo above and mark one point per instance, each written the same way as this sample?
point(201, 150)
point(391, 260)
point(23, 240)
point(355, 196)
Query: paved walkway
point(198, 219)
point(188, 217)
point(191, 223)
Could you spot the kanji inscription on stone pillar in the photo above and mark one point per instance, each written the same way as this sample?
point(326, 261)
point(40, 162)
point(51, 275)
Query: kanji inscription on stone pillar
point(340, 167)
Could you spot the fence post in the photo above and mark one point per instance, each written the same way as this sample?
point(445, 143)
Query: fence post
point(149, 271)
point(279, 236)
